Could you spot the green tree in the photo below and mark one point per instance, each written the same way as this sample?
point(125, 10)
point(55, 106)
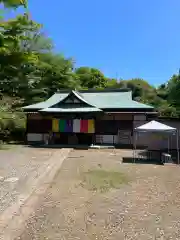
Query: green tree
point(90, 77)
point(13, 57)
point(166, 110)
point(140, 88)
point(162, 91)
point(29, 68)
point(54, 72)
point(173, 88)
point(112, 83)
point(14, 3)
point(12, 119)
point(173, 92)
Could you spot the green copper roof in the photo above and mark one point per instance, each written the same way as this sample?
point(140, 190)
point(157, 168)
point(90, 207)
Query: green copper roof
point(49, 102)
point(113, 100)
point(95, 99)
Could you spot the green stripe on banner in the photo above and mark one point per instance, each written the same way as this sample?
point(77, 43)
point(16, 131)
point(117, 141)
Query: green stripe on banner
point(62, 124)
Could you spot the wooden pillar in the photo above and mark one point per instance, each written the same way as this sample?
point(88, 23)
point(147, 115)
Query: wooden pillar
point(26, 132)
point(113, 134)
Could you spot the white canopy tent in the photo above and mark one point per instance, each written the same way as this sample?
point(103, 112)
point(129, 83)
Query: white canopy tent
point(156, 127)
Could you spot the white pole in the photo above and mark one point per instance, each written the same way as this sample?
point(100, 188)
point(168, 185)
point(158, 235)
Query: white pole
point(168, 143)
point(177, 135)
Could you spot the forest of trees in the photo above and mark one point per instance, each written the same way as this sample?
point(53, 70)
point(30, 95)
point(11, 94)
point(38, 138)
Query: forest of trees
point(31, 71)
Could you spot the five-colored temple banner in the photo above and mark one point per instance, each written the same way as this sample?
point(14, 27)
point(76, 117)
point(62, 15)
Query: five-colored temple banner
point(76, 125)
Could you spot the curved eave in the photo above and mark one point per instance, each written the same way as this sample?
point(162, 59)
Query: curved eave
point(70, 110)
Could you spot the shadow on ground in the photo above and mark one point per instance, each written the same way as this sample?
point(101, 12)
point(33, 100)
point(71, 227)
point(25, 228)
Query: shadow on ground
point(78, 147)
point(83, 146)
point(141, 161)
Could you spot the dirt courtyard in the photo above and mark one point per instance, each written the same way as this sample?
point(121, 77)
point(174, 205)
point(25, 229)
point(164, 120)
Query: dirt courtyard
point(145, 206)
point(25, 174)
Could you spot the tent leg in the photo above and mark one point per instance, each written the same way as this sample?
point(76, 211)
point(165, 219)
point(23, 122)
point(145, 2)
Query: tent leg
point(177, 135)
point(168, 144)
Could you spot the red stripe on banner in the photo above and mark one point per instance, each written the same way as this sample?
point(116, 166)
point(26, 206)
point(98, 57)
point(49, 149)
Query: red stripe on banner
point(84, 126)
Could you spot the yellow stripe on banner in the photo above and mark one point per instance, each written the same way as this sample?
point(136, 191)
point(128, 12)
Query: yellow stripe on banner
point(91, 128)
point(55, 125)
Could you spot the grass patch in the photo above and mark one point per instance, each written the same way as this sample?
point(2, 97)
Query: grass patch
point(103, 181)
point(4, 147)
point(7, 146)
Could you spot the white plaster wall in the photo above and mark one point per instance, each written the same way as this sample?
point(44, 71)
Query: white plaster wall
point(140, 117)
point(107, 139)
point(99, 139)
point(34, 137)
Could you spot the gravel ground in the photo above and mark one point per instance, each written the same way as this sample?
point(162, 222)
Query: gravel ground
point(18, 167)
point(145, 208)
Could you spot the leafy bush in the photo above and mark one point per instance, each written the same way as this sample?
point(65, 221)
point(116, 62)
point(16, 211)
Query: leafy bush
point(12, 120)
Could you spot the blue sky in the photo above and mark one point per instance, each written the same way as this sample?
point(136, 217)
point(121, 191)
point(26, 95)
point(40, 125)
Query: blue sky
point(124, 38)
